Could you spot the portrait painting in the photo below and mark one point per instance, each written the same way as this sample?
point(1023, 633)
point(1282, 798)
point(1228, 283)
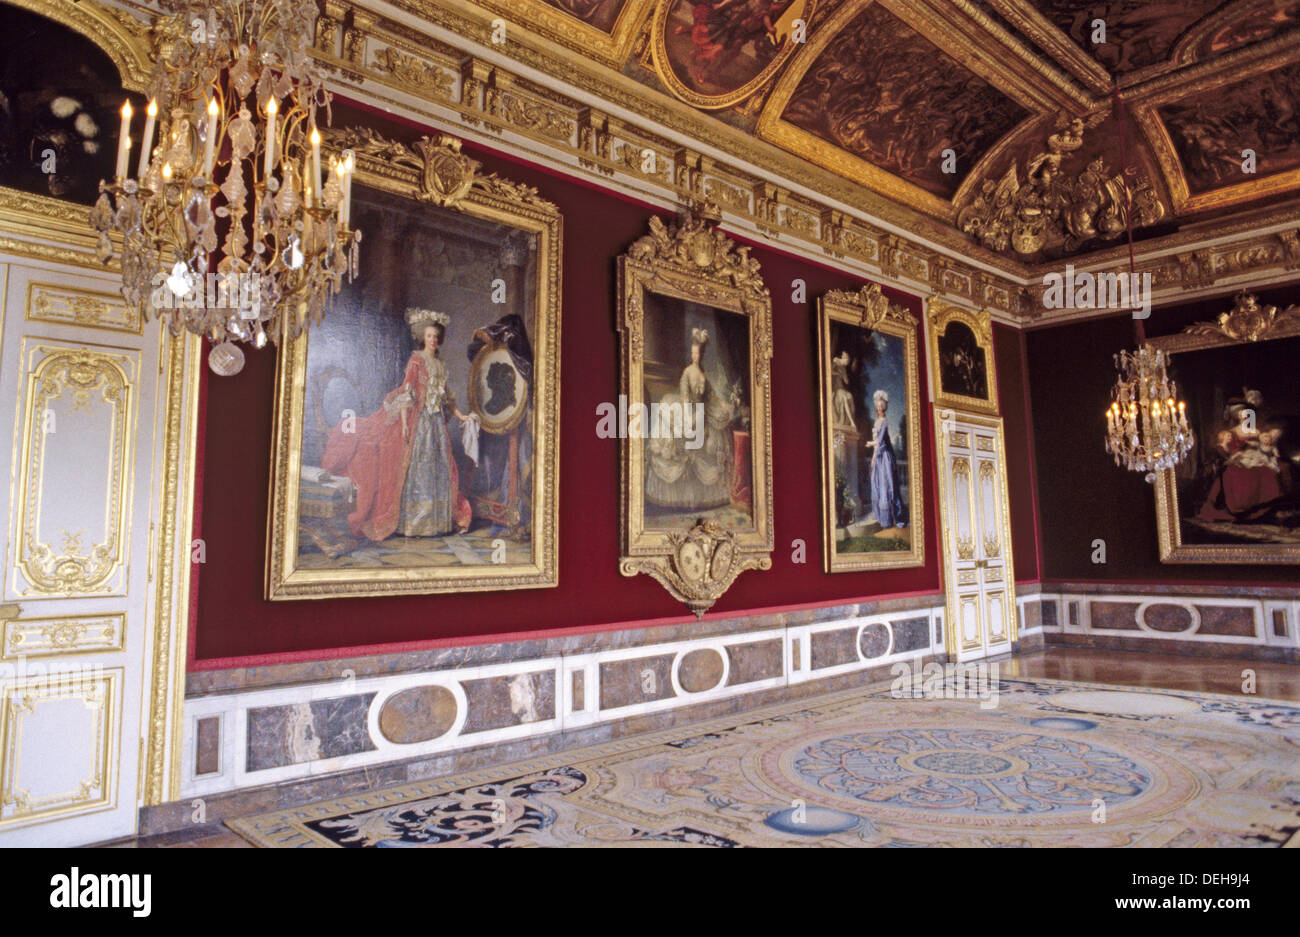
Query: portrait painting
point(961, 355)
point(696, 365)
point(1235, 496)
point(716, 53)
point(418, 417)
point(695, 410)
point(871, 459)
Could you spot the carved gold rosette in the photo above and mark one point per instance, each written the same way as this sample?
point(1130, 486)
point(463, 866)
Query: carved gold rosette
point(692, 261)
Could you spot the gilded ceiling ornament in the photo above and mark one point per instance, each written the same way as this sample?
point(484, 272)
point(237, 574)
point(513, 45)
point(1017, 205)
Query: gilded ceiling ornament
point(1050, 209)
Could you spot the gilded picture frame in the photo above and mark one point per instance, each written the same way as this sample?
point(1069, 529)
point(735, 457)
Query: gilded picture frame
point(1221, 346)
point(963, 371)
point(676, 285)
point(854, 535)
point(431, 179)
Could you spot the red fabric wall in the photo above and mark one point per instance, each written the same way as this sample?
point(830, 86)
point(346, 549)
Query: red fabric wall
point(1017, 430)
point(231, 620)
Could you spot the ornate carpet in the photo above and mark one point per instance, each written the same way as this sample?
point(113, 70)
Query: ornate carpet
point(1052, 764)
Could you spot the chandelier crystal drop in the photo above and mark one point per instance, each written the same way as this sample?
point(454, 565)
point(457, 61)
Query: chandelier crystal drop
point(228, 229)
point(1146, 423)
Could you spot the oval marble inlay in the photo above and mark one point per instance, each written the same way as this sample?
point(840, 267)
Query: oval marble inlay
point(874, 641)
point(417, 715)
point(700, 670)
point(1167, 617)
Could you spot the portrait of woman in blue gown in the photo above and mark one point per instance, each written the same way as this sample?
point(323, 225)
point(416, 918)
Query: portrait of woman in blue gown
point(886, 497)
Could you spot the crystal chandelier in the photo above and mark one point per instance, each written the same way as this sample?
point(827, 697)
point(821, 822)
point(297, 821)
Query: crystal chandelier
point(1146, 422)
point(228, 229)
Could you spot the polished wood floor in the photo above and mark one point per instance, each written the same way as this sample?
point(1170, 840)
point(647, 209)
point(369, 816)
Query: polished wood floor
point(1158, 671)
point(1084, 665)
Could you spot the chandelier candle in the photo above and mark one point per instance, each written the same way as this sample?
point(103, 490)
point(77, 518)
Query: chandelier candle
point(123, 141)
point(146, 143)
point(271, 110)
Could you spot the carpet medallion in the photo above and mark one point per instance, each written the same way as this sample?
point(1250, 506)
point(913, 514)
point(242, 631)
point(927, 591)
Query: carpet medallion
point(1052, 764)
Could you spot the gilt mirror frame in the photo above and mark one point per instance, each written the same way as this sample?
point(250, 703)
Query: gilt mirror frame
point(694, 262)
point(869, 309)
point(1248, 322)
point(434, 174)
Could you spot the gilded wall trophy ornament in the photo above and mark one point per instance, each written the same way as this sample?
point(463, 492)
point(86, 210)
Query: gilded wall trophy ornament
point(695, 325)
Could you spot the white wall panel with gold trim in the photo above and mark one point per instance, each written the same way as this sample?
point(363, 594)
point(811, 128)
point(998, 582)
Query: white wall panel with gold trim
point(79, 385)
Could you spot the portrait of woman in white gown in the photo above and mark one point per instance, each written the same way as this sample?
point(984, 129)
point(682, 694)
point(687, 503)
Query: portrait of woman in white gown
point(693, 470)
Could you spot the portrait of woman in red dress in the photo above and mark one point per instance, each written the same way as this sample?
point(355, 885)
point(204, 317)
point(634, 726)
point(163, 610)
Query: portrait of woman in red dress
point(400, 457)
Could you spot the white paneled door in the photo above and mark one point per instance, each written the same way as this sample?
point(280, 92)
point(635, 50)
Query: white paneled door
point(79, 384)
point(978, 574)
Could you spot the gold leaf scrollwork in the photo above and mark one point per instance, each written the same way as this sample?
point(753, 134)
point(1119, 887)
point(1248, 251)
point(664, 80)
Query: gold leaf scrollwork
point(445, 174)
point(702, 562)
point(875, 305)
point(1248, 321)
point(693, 245)
point(74, 568)
point(412, 71)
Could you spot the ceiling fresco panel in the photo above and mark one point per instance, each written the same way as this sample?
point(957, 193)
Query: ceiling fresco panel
point(1261, 113)
point(1139, 33)
point(716, 54)
point(889, 96)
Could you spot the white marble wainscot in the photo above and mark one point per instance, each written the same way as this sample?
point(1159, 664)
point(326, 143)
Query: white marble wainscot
point(274, 734)
point(1223, 621)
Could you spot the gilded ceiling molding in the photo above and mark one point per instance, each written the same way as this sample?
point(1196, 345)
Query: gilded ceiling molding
point(1043, 32)
point(1051, 207)
point(122, 37)
point(1039, 90)
point(1185, 50)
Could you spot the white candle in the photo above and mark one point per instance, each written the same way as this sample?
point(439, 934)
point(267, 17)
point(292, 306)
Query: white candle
point(271, 110)
point(349, 163)
point(151, 113)
point(209, 153)
point(315, 159)
point(123, 141)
